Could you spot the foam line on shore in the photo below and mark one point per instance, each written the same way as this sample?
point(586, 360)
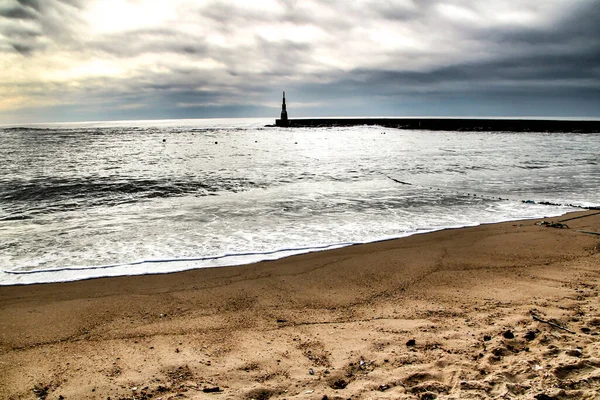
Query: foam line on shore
point(183, 259)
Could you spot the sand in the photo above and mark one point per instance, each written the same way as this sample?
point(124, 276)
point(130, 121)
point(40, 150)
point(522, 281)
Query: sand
point(501, 311)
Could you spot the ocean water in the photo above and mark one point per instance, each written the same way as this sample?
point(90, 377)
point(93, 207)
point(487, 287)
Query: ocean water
point(87, 200)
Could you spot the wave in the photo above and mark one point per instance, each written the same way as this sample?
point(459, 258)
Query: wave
point(54, 189)
point(26, 128)
point(111, 130)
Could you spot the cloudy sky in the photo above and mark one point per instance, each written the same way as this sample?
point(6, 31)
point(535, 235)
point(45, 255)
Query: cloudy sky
point(76, 60)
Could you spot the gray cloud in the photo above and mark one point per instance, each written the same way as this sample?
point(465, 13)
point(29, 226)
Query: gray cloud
point(23, 49)
point(32, 25)
point(146, 41)
point(34, 4)
point(18, 13)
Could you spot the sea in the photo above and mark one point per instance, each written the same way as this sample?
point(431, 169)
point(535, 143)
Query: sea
point(97, 199)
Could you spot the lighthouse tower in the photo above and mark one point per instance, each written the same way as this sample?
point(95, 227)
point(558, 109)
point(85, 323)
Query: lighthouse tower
point(283, 121)
point(284, 116)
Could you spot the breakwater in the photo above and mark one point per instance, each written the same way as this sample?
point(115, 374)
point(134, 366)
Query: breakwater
point(452, 124)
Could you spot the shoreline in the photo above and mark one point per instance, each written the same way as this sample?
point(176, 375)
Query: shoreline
point(337, 323)
point(247, 258)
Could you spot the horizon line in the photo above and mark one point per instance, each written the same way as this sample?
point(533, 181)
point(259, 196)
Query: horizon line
point(489, 117)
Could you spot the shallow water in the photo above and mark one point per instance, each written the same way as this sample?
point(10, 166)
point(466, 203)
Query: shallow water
point(105, 199)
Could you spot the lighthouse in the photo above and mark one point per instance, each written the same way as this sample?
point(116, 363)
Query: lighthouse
point(284, 116)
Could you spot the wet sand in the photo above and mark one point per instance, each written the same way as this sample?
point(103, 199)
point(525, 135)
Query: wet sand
point(507, 310)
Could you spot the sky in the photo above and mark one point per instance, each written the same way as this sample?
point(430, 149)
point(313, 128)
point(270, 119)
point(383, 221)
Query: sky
point(92, 60)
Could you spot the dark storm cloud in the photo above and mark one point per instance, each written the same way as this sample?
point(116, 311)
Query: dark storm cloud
point(23, 49)
point(18, 13)
point(581, 23)
point(536, 68)
point(35, 4)
point(52, 20)
point(569, 49)
point(22, 40)
point(560, 61)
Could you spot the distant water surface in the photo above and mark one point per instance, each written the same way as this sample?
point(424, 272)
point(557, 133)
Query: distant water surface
point(119, 198)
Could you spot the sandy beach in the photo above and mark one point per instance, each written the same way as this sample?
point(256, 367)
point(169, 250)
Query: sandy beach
point(499, 311)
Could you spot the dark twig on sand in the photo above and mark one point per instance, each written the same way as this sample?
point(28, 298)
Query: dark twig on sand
point(589, 232)
point(581, 216)
point(552, 324)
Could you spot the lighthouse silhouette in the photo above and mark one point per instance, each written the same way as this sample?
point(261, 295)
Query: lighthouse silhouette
point(284, 117)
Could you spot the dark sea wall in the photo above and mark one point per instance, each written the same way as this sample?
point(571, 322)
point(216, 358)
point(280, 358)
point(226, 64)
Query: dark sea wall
point(452, 124)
